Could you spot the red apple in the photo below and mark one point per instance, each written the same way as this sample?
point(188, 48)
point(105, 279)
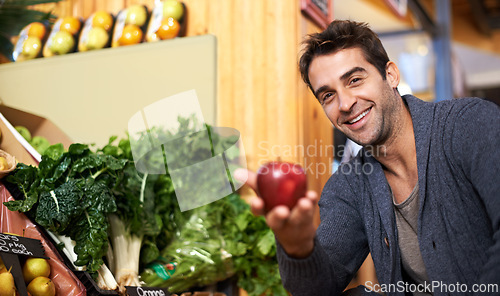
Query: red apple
point(281, 183)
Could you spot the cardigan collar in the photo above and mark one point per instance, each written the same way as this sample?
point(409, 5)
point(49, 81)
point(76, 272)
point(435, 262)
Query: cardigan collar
point(421, 113)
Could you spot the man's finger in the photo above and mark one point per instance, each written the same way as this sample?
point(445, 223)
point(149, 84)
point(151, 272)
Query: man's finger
point(257, 206)
point(303, 212)
point(277, 217)
point(313, 196)
point(246, 176)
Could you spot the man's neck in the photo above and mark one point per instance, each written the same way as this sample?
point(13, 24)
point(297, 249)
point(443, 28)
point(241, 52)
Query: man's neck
point(398, 157)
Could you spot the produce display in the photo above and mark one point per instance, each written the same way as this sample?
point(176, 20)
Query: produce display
point(30, 42)
point(166, 20)
point(126, 229)
point(132, 25)
point(281, 183)
point(36, 272)
point(96, 32)
point(40, 143)
point(63, 36)
point(32, 260)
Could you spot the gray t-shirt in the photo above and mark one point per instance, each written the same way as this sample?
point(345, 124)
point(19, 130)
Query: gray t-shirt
point(407, 221)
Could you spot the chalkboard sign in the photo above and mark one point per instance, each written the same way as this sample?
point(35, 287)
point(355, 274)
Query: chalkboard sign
point(320, 11)
point(19, 245)
point(145, 291)
point(11, 246)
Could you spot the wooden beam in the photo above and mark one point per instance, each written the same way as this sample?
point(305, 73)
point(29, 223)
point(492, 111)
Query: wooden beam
point(423, 16)
point(480, 16)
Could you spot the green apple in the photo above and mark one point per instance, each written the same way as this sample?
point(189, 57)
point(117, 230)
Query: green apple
point(97, 38)
point(24, 132)
point(40, 144)
point(62, 42)
point(173, 9)
point(31, 47)
point(136, 15)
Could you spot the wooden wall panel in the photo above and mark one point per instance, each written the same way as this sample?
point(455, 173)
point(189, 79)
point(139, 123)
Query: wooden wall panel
point(318, 130)
point(258, 92)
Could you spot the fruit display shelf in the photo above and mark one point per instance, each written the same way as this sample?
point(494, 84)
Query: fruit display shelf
point(92, 95)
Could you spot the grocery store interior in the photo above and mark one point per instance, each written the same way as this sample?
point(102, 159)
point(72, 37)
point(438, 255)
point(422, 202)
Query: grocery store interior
point(93, 66)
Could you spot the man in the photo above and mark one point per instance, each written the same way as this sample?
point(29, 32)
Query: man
point(423, 195)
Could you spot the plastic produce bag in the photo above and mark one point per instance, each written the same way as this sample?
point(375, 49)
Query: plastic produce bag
point(65, 281)
point(195, 258)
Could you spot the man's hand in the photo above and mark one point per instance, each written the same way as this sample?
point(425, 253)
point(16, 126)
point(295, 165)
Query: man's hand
point(294, 229)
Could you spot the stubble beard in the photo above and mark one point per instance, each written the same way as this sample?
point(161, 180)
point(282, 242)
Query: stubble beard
point(383, 123)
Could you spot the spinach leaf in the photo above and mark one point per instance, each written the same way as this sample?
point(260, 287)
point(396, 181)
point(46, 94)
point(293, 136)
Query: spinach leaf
point(56, 208)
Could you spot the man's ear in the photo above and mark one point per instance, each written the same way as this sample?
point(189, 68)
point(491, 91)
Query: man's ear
point(392, 74)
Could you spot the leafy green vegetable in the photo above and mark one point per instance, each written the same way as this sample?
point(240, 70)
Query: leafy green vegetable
point(26, 179)
point(56, 207)
point(218, 241)
point(66, 191)
point(101, 201)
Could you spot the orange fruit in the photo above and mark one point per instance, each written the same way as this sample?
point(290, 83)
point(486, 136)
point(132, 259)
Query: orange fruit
point(131, 34)
point(169, 28)
point(70, 24)
point(102, 19)
point(36, 29)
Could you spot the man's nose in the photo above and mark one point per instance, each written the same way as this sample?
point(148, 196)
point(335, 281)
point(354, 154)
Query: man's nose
point(346, 101)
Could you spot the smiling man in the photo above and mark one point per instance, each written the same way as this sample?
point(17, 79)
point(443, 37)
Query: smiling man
point(422, 196)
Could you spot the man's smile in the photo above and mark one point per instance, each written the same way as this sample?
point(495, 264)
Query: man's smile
point(354, 119)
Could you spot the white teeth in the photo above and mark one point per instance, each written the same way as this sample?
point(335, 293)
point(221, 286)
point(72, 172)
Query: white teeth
point(359, 117)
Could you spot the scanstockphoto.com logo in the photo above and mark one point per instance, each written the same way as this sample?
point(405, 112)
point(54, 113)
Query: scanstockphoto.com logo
point(171, 136)
point(430, 287)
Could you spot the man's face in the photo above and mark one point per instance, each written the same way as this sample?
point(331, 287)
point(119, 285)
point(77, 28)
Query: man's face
point(354, 96)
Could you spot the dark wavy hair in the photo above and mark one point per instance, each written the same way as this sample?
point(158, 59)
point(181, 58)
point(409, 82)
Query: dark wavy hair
point(343, 34)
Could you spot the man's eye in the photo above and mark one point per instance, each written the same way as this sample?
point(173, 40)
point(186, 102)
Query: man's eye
point(328, 97)
point(354, 80)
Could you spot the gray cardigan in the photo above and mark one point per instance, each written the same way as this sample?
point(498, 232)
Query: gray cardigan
point(458, 158)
